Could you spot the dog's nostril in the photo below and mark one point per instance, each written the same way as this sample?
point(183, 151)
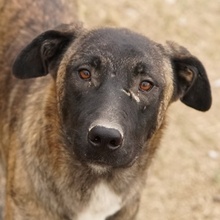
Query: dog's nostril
point(104, 137)
point(96, 139)
point(115, 142)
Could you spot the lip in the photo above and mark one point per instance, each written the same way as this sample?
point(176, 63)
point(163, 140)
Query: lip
point(119, 158)
point(102, 169)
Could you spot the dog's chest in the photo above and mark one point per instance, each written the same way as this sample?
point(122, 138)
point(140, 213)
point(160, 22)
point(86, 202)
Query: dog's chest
point(103, 203)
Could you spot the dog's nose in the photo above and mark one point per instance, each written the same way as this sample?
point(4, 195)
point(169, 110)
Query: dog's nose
point(109, 138)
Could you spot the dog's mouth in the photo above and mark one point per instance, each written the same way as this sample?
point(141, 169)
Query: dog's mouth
point(100, 167)
point(120, 158)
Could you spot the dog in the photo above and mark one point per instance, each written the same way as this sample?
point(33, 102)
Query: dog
point(80, 123)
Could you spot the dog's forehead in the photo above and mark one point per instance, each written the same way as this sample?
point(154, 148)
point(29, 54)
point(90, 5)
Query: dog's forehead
point(119, 42)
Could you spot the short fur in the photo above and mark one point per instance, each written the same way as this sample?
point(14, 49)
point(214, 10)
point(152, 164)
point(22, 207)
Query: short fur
point(54, 169)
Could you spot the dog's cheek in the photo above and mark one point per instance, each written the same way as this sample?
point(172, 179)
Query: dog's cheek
point(150, 122)
point(75, 116)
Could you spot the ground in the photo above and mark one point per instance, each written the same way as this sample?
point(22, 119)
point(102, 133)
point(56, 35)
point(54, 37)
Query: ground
point(184, 179)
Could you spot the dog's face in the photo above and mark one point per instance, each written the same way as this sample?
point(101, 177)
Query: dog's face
point(113, 91)
point(113, 87)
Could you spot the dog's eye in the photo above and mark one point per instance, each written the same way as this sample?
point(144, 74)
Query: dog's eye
point(84, 74)
point(146, 85)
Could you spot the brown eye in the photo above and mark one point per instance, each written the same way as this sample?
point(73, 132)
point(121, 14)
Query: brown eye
point(84, 74)
point(146, 85)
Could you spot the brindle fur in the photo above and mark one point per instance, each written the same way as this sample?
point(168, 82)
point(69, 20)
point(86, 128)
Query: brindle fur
point(43, 180)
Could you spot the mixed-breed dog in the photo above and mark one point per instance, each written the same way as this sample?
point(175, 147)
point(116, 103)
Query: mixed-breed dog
point(81, 123)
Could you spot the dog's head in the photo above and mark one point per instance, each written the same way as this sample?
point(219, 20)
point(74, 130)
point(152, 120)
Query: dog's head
point(113, 87)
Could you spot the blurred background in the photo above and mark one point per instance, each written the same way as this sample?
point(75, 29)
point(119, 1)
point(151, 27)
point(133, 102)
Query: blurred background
point(184, 179)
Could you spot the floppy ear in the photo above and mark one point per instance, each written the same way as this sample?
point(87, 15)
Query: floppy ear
point(44, 52)
point(191, 81)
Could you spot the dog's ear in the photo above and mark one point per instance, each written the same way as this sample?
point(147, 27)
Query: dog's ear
point(191, 83)
point(44, 52)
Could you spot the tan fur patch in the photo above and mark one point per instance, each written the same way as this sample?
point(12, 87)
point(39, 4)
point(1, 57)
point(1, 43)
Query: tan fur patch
point(168, 91)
